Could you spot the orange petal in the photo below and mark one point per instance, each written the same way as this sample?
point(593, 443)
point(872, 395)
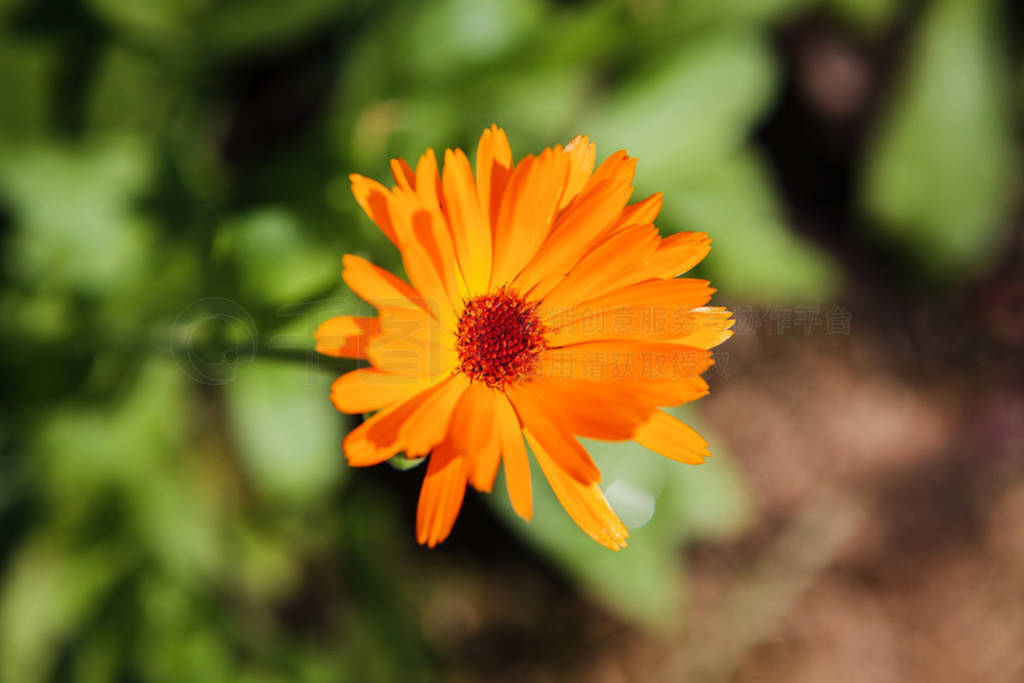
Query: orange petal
point(575, 230)
point(591, 409)
point(584, 502)
point(404, 176)
point(428, 426)
point(684, 294)
point(517, 465)
point(433, 235)
point(671, 257)
point(672, 438)
point(672, 391)
point(345, 336)
point(641, 394)
point(642, 212)
point(611, 264)
point(428, 181)
point(377, 439)
point(582, 154)
point(474, 434)
point(377, 286)
point(373, 197)
point(471, 233)
point(654, 310)
point(416, 425)
point(557, 440)
point(368, 389)
point(609, 408)
point(410, 341)
point(623, 360)
point(677, 254)
point(619, 166)
point(422, 229)
point(493, 167)
point(427, 251)
point(526, 213)
point(709, 327)
point(444, 487)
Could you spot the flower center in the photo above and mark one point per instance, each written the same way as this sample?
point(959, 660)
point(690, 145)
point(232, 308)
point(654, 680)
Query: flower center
point(500, 336)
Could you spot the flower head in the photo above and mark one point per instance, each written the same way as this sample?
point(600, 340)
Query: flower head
point(499, 339)
point(540, 304)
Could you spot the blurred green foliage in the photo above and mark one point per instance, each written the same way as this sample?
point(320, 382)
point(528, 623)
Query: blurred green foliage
point(941, 171)
point(173, 207)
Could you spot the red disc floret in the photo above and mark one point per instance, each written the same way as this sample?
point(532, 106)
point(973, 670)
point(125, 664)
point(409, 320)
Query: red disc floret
point(500, 337)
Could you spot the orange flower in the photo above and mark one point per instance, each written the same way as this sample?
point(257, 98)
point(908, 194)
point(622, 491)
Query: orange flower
point(542, 305)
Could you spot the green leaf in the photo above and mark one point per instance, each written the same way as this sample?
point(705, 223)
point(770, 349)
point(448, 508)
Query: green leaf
point(680, 117)
point(235, 26)
point(48, 591)
point(755, 257)
point(289, 435)
point(8, 7)
point(868, 15)
point(275, 261)
point(939, 174)
point(180, 638)
point(26, 71)
point(151, 18)
point(403, 464)
point(474, 31)
point(83, 450)
point(132, 447)
point(266, 565)
point(126, 456)
point(131, 91)
point(535, 102)
point(663, 503)
point(88, 238)
point(703, 12)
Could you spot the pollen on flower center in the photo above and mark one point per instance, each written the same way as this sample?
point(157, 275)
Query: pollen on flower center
point(499, 339)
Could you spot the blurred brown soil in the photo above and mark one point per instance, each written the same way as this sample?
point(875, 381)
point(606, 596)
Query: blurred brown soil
point(886, 464)
point(889, 544)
